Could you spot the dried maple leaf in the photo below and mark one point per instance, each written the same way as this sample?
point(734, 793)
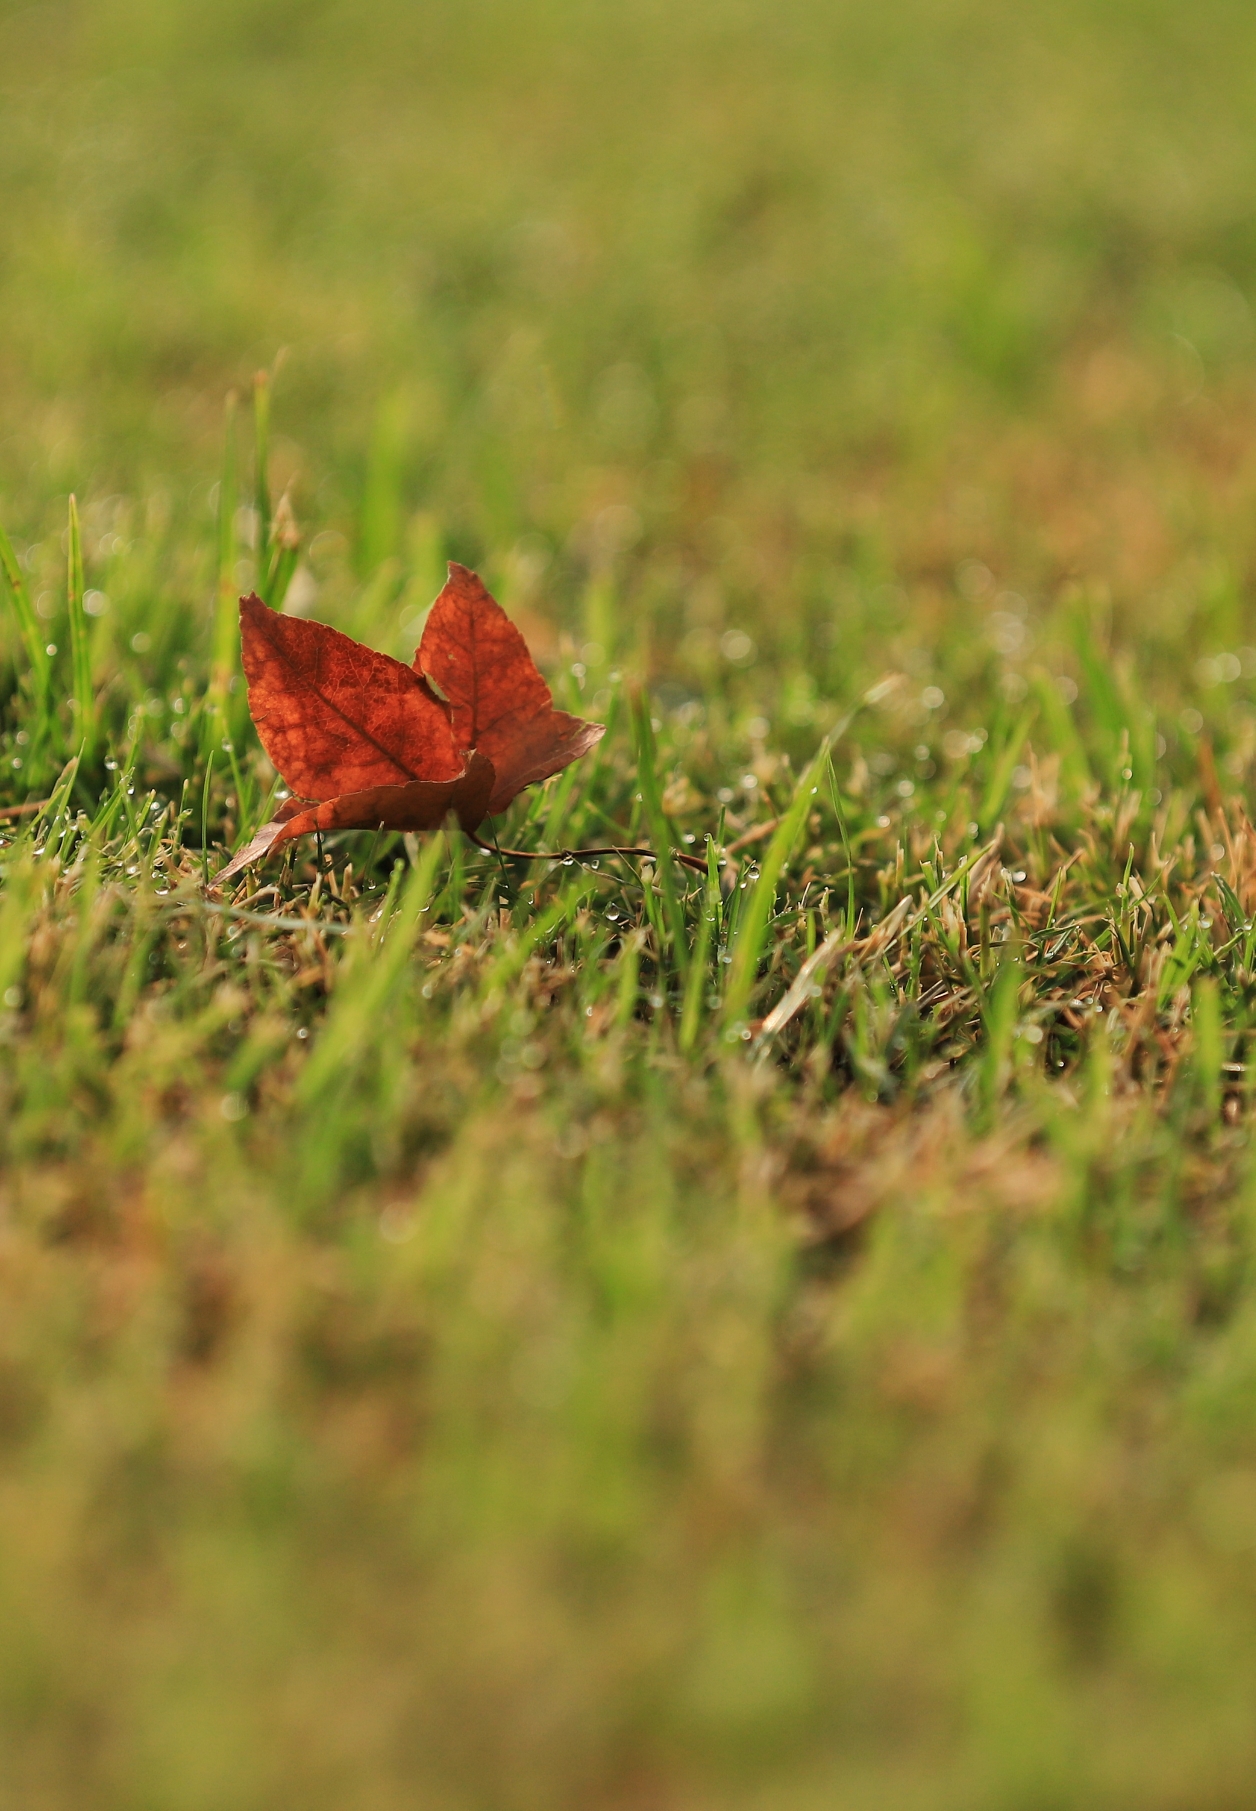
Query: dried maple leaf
point(367, 743)
point(335, 716)
point(499, 704)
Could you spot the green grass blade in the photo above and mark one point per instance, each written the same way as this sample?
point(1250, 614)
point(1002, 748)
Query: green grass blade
point(1004, 767)
point(660, 833)
point(282, 557)
point(80, 653)
point(226, 615)
point(27, 621)
point(363, 994)
point(261, 466)
point(753, 919)
point(699, 978)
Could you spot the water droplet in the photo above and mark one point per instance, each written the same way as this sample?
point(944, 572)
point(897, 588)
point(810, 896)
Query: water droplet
point(612, 916)
point(233, 1107)
point(112, 766)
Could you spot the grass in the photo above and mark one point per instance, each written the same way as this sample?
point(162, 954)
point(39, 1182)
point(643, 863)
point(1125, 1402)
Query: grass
point(480, 1332)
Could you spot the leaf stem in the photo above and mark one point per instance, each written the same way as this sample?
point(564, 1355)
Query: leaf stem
point(688, 861)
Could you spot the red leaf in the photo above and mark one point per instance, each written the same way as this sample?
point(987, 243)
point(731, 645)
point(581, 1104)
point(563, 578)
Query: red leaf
point(335, 716)
point(419, 805)
point(498, 702)
point(366, 742)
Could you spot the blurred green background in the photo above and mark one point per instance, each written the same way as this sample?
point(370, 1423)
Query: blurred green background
point(743, 271)
point(768, 347)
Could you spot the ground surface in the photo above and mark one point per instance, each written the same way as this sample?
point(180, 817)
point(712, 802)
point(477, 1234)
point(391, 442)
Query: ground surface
point(482, 1334)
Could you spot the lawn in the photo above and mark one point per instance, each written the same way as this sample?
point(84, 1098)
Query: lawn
point(585, 1334)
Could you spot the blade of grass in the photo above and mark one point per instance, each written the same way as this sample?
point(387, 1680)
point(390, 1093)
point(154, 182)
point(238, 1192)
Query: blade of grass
point(27, 622)
point(209, 775)
point(281, 560)
point(226, 614)
point(261, 468)
point(1004, 766)
point(699, 978)
point(755, 914)
point(660, 832)
point(80, 654)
